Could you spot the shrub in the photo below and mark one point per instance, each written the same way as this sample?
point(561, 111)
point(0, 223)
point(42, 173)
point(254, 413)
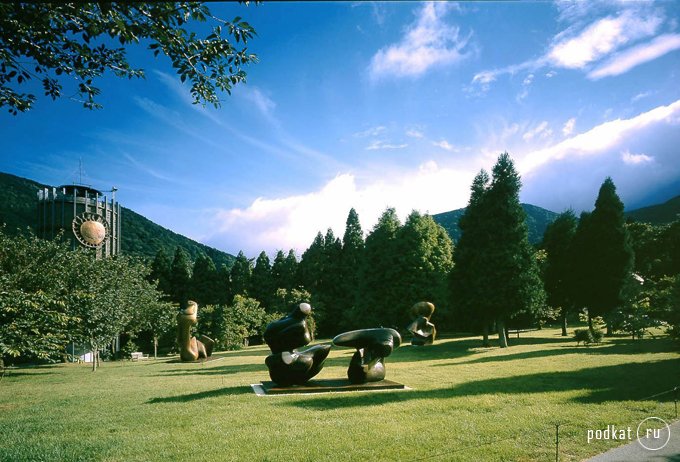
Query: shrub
point(587, 336)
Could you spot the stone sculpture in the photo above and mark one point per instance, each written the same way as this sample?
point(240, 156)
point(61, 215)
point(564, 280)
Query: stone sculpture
point(287, 365)
point(373, 345)
point(191, 348)
point(422, 329)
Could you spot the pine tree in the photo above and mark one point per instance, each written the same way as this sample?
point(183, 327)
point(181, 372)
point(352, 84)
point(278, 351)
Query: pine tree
point(180, 277)
point(468, 288)
point(204, 285)
point(241, 273)
point(289, 271)
point(605, 255)
point(351, 258)
point(559, 272)
point(262, 284)
point(380, 275)
point(160, 271)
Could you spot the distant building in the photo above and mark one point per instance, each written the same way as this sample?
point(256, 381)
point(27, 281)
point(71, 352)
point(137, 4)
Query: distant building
point(85, 215)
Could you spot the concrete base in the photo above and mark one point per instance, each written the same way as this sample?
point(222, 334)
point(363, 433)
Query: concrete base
point(325, 386)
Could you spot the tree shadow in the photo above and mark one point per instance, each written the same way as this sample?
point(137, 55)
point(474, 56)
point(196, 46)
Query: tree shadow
point(216, 370)
point(624, 382)
point(229, 391)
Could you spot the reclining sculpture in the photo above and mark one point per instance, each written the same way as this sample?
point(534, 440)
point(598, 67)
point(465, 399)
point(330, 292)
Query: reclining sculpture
point(373, 345)
point(422, 329)
point(287, 365)
point(190, 348)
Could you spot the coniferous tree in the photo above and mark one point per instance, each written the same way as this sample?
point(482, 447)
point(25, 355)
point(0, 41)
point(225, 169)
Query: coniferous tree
point(559, 271)
point(605, 255)
point(204, 286)
point(468, 288)
point(262, 284)
point(311, 264)
point(329, 292)
point(160, 271)
point(223, 285)
point(180, 277)
point(351, 258)
point(425, 258)
point(241, 273)
point(510, 270)
point(289, 271)
point(380, 275)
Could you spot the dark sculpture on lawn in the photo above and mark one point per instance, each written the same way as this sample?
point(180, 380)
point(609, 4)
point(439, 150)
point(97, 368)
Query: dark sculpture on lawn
point(422, 329)
point(287, 365)
point(373, 345)
point(191, 348)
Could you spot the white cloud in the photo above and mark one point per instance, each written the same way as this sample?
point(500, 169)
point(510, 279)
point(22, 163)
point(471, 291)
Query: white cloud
point(640, 96)
point(541, 131)
point(381, 144)
point(429, 42)
point(444, 145)
point(568, 128)
point(599, 139)
point(264, 104)
point(413, 133)
point(601, 38)
point(635, 159)
point(373, 131)
point(632, 57)
point(293, 221)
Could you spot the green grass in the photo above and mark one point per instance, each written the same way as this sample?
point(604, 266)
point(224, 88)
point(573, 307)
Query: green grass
point(465, 403)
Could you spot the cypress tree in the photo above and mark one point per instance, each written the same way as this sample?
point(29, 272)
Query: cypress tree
point(160, 271)
point(262, 284)
point(351, 257)
point(204, 286)
point(241, 273)
point(180, 277)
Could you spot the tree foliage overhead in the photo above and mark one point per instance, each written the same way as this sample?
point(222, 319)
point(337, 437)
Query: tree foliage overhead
point(74, 44)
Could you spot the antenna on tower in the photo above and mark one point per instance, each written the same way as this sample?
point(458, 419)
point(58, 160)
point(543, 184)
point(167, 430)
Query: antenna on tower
point(80, 173)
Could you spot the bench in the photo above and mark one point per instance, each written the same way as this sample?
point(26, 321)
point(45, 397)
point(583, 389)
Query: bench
point(137, 355)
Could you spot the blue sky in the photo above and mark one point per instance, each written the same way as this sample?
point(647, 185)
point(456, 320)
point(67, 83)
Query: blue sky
point(370, 105)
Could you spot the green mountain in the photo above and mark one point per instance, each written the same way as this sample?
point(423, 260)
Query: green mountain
point(657, 214)
point(141, 236)
point(538, 220)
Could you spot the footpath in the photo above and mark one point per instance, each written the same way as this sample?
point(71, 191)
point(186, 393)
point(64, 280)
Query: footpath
point(635, 452)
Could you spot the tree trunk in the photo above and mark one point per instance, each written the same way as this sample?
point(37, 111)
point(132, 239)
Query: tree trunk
point(590, 323)
point(502, 338)
point(94, 359)
point(155, 347)
point(485, 335)
point(564, 323)
point(610, 331)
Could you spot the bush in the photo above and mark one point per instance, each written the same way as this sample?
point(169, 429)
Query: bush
point(129, 348)
point(587, 336)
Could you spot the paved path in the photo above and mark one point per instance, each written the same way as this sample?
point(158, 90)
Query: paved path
point(634, 452)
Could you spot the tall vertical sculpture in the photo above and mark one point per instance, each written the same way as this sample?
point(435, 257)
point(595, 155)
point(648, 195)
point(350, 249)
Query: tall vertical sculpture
point(191, 348)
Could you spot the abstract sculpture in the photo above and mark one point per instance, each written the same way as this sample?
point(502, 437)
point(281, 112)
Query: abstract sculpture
point(373, 345)
point(287, 365)
point(190, 348)
point(422, 329)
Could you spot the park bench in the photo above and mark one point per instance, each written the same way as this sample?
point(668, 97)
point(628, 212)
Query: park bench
point(137, 355)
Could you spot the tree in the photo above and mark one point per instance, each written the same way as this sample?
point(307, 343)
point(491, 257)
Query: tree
point(559, 271)
point(380, 275)
point(158, 318)
point(510, 272)
point(351, 258)
point(604, 255)
point(425, 253)
point(160, 271)
point(180, 277)
point(204, 281)
point(74, 44)
point(468, 287)
point(262, 285)
point(241, 273)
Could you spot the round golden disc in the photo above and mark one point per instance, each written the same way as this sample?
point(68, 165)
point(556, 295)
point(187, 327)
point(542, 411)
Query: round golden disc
point(93, 232)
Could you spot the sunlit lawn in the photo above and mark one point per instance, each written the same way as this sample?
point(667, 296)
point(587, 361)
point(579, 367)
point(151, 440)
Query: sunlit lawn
point(465, 403)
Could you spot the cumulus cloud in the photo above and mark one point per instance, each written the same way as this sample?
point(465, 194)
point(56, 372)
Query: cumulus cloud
point(635, 159)
point(293, 221)
point(444, 145)
point(640, 54)
point(428, 42)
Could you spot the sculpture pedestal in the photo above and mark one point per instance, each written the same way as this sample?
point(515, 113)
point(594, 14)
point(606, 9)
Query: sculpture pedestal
point(325, 386)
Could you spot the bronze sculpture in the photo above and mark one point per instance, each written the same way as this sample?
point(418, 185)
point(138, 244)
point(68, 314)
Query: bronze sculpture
point(373, 345)
point(191, 348)
point(287, 365)
point(422, 329)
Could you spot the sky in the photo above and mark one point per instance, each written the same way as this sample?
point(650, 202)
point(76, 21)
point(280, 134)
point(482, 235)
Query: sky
point(376, 105)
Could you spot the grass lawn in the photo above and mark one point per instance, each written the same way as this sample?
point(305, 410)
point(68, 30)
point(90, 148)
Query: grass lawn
point(465, 403)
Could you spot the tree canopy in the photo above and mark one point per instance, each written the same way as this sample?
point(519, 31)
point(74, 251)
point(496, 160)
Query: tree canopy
point(74, 44)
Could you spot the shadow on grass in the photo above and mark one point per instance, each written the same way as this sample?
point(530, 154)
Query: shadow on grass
point(214, 370)
point(229, 391)
point(611, 347)
point(624, 382)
